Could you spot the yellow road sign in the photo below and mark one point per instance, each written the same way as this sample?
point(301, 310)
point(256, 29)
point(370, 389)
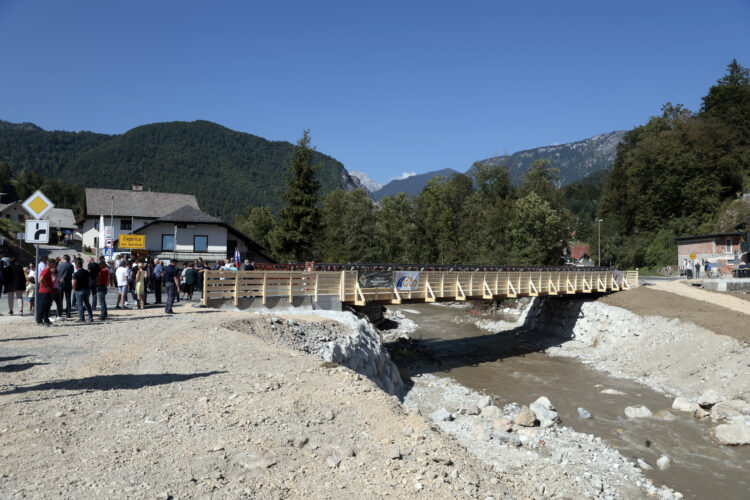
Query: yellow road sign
point(132, 241)
point(37, 205)
point(692, 256)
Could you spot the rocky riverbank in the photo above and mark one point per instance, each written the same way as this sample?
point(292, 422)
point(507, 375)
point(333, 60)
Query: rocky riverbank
point(707, 372)
point(527, 442)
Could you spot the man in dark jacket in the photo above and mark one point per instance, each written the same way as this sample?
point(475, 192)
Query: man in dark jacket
point(172, 284)
point(14, 281)
point(65, 275)
point(93, 269)
point(158, 275)
point(2, 266)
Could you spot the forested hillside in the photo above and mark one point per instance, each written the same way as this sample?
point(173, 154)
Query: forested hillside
point(674, 175)
point(225, 169)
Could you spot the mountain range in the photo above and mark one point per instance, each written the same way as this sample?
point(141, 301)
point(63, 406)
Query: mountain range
point(226, 170)
point(574, 161)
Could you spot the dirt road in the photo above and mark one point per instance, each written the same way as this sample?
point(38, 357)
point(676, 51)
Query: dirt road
point(152, 406)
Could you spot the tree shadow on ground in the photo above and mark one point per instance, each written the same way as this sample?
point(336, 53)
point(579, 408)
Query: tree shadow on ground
point(41, 337)
point(420, 356)
point(19, 367)
point(110, 382)
point(13, 358)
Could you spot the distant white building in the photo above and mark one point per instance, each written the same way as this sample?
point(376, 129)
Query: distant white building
point(161, 216)
point(128, 210)
point(197, 235)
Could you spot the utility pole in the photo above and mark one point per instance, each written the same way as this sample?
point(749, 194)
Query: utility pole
point(599, 251)
point(112, 228)
point(174, 247)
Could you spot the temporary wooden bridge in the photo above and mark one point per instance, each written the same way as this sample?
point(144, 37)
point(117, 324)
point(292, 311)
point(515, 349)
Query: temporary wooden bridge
point(423, 286)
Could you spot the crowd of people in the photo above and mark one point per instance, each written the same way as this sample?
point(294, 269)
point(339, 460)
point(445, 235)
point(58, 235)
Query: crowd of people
point(77, 284)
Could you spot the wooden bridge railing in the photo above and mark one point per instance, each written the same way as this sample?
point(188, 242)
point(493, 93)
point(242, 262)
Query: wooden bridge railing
point(431, 286)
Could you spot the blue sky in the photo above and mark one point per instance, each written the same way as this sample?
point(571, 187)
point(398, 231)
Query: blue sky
point(385, 87)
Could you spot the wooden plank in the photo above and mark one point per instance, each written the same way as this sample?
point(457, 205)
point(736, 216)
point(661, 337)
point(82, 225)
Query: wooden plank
point(431, 294)
point(535, 292)
point(486, 288)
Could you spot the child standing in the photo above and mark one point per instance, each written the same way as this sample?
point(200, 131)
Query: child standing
point(30, 292)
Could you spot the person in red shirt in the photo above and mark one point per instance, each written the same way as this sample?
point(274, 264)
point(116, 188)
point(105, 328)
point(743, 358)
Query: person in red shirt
point(46, 292)
point(102, 282)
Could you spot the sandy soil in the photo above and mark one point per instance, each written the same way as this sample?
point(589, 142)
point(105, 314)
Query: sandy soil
point(697, 309)
point(152, 406)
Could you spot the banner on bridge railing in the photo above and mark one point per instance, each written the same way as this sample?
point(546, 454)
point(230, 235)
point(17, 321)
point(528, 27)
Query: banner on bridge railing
point(407, 280)
point(376, 279)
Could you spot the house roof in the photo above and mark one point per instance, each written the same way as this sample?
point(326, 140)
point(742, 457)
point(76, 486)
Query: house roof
point(58, 217)
point(189, 214)
point(579, 251)
point(142, 204)
point(3, 206)
point(705, 236)
point(61, 217)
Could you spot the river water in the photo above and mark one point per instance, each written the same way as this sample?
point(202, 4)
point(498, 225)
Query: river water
point(512, 370)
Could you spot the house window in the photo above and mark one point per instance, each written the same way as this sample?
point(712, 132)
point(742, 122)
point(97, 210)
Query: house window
point(728, 245)
point(126, 225)
point(200, 243)
point(167, 242)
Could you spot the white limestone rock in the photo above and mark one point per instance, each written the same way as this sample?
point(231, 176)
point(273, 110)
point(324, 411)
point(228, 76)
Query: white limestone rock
point(637, 412)
point(734, 433)
point(684, 404)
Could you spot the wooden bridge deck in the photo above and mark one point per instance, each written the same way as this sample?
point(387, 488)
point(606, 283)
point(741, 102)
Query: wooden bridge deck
point(397, 287)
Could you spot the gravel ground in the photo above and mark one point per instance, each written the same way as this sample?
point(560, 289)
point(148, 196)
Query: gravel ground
point(156, 406)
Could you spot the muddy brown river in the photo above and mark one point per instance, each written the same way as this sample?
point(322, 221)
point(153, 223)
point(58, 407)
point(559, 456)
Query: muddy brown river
point(513, 370)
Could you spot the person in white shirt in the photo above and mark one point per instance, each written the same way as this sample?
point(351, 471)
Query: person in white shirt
point(122, 284)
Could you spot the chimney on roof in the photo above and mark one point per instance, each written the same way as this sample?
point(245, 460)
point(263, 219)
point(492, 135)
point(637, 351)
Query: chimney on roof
point(137, 186)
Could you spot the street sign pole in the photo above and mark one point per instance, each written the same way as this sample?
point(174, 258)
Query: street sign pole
point(36, 283)
point(37, 205)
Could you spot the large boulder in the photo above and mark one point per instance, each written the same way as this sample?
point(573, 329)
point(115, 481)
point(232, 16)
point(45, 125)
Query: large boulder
point(734, 433)
point(491, 411)
point(684, 404)
point(709, 398)
point(525, 417)
point(507, 438)
point(663, 462)
point(637, 412)
point(441, 415)
point(729, 410)
point(545, 412)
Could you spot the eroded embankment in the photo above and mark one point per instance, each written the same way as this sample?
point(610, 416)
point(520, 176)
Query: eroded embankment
point(347, 341)
point(675, 357)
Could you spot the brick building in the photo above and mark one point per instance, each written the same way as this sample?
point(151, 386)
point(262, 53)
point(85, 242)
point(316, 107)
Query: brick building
point(721, 250)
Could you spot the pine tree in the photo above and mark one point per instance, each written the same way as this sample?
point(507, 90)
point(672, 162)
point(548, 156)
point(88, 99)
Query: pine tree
point(293, 238)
